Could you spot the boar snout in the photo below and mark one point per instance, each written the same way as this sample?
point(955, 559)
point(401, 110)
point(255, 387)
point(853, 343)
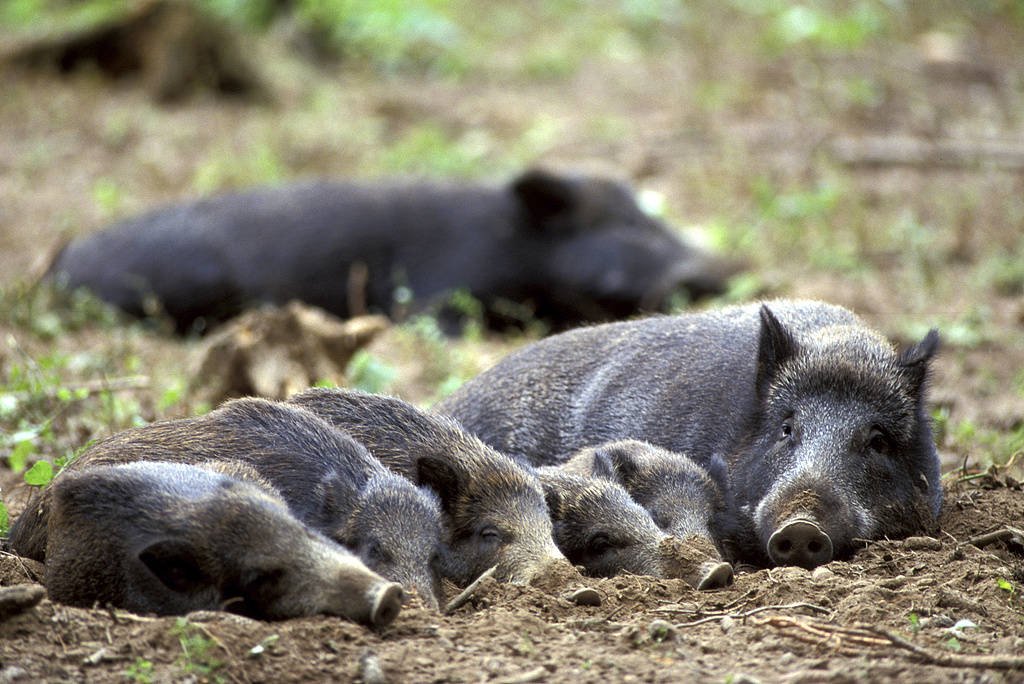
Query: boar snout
point(800, 542)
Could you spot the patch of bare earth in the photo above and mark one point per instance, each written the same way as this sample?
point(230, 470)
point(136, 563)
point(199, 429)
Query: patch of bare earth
point(895, 610)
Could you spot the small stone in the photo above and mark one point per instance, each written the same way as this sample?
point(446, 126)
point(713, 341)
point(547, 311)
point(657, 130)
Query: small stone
point(370, 669)
point(585, 597)
point(19, 598)
point(786, 659)
point(922, 544)
point(12, 673)
point(822, 574)
point(661, 630)
point(727, 623)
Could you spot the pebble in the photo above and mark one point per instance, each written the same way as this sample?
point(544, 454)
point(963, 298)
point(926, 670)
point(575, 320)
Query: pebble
point(12, 673)
point(922, 544)
point(822, 574)
point(726, 623)
point(585, 597)
point(661, 630)
point(370, 669)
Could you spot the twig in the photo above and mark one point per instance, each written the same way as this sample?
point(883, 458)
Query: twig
point(467, 593)
point(91, 387)
point(1005, 534)
point(995, 662)
point(753, 611)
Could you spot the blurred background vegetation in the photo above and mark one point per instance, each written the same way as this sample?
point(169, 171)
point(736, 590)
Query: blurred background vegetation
point(868, 152)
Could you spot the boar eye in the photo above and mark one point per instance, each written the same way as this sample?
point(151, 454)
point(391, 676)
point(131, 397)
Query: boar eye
point(878, 441)
point(599, 544)
point(786, 429)
point(490, 534)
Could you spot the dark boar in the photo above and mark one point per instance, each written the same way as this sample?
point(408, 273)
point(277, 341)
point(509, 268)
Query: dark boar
point(329, 482)
point(563, 249)
point(170, 538)
point(822, 424)
point(598, 526)
point(683, 498)
point(493, 509)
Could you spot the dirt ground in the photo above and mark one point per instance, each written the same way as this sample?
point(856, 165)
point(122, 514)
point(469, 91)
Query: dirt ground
point(773, 157)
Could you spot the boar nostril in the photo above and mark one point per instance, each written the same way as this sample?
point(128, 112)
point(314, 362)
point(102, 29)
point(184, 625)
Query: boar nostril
point(800, 542)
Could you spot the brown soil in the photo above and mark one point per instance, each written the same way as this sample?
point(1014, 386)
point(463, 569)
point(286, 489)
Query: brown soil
point(709, 122)
point(890, 612)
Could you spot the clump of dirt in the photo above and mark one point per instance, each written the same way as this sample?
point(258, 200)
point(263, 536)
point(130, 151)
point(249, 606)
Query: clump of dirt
point(276, 351)
point(927, 608)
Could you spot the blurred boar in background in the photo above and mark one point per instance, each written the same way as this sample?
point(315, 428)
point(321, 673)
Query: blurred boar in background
point(558, 248)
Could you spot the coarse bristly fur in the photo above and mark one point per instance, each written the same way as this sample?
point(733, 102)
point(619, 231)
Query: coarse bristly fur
point(320, 473)
point(598, 526)
point(795, 396)
point(171, 538)
point(493, 509)
point(682, 497)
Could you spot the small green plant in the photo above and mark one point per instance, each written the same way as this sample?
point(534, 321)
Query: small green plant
point(140, 671)
point(369, 373)
point(197, 648)
point(1006, 586)
point(40, 474)
point(5, 523)
point(915, 623)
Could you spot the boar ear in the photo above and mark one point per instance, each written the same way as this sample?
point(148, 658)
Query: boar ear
point(603, 466)
point(440, 476)
point(614, 463)
point(544, 194)
point(175, 563)
point(553, 498)
point(914, 359)
point(775, 346)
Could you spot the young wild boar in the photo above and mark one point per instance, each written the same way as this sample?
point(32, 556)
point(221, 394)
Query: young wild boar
point(493, 509)
point(598, 526)
point(683, 498)
point(822, 424)
point(329, 482)
point(558, 248)
point(171, 538)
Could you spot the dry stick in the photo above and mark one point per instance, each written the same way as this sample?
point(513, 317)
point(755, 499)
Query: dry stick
point(1005, 534)
point(754, 611)
point(995, 662)
point(467, 593)
point(92, 387)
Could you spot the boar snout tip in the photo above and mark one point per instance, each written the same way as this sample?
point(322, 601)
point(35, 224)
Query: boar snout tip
point(386, 602)
point(715, 575)
point(800, 542)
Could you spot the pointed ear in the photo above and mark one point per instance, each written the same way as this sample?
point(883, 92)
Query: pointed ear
point(176, 564)
point(603, 466)
point(775, 346)
point(544, 195)
point(614, 463)
point(914, 359)
point(442, 477)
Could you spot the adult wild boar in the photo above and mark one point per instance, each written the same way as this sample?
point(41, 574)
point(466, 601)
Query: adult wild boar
point(822, 423)
point(171, 538)
point(563, 249)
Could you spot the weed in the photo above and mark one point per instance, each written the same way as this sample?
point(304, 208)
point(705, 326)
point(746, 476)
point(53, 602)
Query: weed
point(197, 650)
point(5, 523)
point(140, 671)
point(915, 623)
point(369, 373)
